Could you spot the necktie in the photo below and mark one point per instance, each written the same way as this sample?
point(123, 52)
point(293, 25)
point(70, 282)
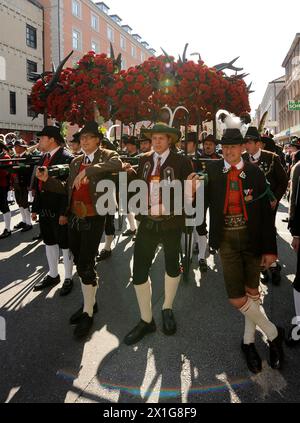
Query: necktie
point(158, 167)
point(87, 160)
point(47, 160)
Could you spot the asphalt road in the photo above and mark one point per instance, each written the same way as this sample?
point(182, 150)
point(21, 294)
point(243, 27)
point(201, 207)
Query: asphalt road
point(40, 361)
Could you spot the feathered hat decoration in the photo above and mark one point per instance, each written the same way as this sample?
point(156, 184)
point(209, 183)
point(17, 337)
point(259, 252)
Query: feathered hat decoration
point(226, 120)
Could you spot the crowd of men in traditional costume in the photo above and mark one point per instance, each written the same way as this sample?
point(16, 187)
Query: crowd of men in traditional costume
point(246, 178)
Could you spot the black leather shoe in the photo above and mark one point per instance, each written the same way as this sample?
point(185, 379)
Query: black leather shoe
point(169, 324)
point(276, 275)
point(265, 277)
point(253, 359)
point(83, 327)
point(27, 228)
point(129, 233)
point(66, 288)
point(276, 350)
point(48, 282)
point(5, 234)
point(203, 266)
point(20, 225)
point(291, 340)
point(75, 318)
point(104, 255)
point(139, 332)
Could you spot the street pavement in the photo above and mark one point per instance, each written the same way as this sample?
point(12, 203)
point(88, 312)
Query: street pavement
point(42, 363)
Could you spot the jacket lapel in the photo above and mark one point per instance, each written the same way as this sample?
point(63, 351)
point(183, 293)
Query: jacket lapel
point(97, 157)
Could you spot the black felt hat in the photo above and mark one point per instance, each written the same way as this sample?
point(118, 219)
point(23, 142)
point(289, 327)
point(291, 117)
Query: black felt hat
point(211, 138)
point(253, 134)
point(191, 137)
point(131, 140)
point(76, 138)
point(232, 136)
point(91, 128)
point(52, 132)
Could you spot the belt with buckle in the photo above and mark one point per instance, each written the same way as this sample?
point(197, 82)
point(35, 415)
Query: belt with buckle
point(82, 210)
point(235, 222)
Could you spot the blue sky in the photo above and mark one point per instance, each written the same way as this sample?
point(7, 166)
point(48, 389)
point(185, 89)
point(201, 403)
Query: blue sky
point(260, 32)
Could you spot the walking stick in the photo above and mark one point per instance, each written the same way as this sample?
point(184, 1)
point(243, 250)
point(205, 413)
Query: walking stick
point(187, 234)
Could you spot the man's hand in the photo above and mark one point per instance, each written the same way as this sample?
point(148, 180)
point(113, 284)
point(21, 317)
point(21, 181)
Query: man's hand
point(296, 244)
point(42, 174)
point(127, 167)
point(34, 217)
point(268, 260)
point(80, 179)
point(195, 183)
point(274, 204)
point(63, 220)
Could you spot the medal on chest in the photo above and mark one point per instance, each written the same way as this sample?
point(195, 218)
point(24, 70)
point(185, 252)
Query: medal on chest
point(248, 195)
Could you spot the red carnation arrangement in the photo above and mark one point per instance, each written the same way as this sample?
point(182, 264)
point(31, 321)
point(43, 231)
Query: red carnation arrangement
point(139, 93)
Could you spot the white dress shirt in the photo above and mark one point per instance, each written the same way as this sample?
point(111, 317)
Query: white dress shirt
point(255, 157)
point(239, 166)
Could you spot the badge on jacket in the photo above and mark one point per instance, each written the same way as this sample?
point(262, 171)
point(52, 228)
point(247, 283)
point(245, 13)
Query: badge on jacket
point(248, 195)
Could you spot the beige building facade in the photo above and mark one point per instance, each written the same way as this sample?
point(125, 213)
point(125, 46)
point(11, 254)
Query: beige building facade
point(289, 120)
point(21, 52)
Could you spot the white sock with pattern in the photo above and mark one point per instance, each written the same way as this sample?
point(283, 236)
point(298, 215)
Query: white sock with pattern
point(254, 312)
point(52, 253)
point(68, 263)
point(144, 297)
point(7, 220)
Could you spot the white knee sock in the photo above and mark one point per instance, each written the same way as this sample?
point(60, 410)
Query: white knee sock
point(131, 220)
point(68, 263)
point(89, 298)
point(30, 197)
point(11, 196)
point(144, 297)
point(171, 287)
point(297, 305)
point(27, 217)
point(52, 253)
point(23, 215)
point(7, 220)
point(253, 311)
point(202, 244)
point(108, 241)
point(250, 326)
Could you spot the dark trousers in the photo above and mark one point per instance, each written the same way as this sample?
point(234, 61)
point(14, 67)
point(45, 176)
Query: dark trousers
point(21, 194)
point(296, 285)
point(241, 267)
point(149, 236)
point(84, 239)
point(4, 208)
point(110, 225)
point(52, 232)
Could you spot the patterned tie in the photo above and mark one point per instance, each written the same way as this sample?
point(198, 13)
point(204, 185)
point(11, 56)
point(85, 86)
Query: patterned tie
point(158, 167)
point(46, 162)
